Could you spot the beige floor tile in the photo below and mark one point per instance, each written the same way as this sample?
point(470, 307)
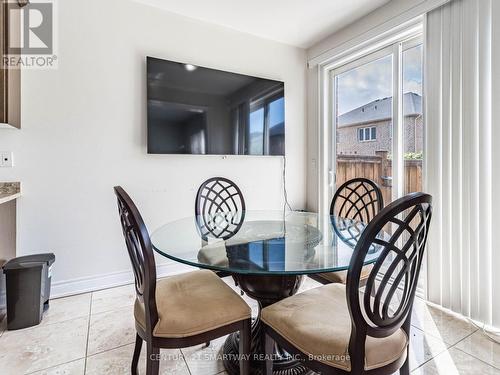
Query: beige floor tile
point(57, 346)
point(444, 325)
point(455, 362)
point(205, 361)
point(71, 368)
point(480, 346)
point(42, 347)
point(423, 347)
point(111, 330)
point(67, 308)
point(113, 299)
point(118, 362)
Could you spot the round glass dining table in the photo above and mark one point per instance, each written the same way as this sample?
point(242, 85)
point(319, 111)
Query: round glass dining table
point(267, 253)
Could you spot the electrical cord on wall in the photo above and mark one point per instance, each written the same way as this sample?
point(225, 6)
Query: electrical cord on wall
point(285, 193)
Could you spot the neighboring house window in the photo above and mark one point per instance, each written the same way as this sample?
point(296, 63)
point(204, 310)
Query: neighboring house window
point(367, 134)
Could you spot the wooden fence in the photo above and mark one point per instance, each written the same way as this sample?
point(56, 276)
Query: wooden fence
point(379, 169)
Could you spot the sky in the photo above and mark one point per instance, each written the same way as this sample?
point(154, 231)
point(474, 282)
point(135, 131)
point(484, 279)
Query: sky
point(373, 81)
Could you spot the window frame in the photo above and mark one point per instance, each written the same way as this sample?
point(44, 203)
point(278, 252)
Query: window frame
point(264, 103)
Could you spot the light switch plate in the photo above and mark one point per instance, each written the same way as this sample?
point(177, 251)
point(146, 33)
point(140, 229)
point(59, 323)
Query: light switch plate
point(6, 159)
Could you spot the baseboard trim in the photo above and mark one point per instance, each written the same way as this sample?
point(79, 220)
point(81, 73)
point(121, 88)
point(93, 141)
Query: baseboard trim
point(81, 285)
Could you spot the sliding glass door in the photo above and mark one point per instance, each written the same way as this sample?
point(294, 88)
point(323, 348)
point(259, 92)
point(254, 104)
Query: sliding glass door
point(363, 120)
point(376, 122)
point(376, 119)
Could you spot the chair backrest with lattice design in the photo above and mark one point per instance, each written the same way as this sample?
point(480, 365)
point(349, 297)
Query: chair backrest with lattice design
point(390, 288)
point(359, 199)
point(219, 208)
point(354, 205)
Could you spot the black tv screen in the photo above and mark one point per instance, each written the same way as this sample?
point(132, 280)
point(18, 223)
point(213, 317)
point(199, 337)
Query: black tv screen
point(196, 110)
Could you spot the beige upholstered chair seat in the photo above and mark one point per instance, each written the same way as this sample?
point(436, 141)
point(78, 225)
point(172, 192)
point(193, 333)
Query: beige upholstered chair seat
point(214, 254)
point(193, 303)
point(341, 276)
point(317, 322)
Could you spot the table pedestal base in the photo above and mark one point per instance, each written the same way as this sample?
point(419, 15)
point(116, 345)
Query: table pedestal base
point(266, 290)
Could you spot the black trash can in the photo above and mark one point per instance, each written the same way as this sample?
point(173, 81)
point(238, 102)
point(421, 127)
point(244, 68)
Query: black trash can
point(28, 280)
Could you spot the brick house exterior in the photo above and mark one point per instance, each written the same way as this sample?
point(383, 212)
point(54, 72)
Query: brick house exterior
point(377, 115)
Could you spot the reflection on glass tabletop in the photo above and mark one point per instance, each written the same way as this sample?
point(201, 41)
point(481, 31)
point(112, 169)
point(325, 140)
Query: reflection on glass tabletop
point(262, 242)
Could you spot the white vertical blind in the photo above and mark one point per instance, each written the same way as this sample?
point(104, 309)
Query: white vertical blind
point(495, 135)
point(462, 102)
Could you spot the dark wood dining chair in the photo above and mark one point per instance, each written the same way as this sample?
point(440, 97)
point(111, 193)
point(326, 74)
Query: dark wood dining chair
point(355, 204)
point(178, 311)
point(339, 329)
point(219, 208)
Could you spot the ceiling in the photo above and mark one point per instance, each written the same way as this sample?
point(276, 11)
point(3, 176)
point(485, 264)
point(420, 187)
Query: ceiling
point(300, 23)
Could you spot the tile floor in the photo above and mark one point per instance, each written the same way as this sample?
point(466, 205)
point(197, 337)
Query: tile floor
point(94, 333)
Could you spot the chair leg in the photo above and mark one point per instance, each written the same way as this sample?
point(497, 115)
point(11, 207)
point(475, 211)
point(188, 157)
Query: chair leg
point(153, 361)
point(405, 369)
point(137, 353)
point(245, 338)
point(268, 351)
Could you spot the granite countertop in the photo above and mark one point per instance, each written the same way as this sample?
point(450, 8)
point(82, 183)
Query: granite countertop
point(9, 191)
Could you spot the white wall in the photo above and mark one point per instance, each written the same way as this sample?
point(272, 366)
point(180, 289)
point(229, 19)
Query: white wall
point(84, 131)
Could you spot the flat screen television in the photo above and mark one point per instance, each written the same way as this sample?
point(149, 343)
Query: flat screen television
point(197, 110)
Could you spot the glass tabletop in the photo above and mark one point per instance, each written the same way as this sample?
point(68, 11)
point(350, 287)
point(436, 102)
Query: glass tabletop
point(262, 242)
